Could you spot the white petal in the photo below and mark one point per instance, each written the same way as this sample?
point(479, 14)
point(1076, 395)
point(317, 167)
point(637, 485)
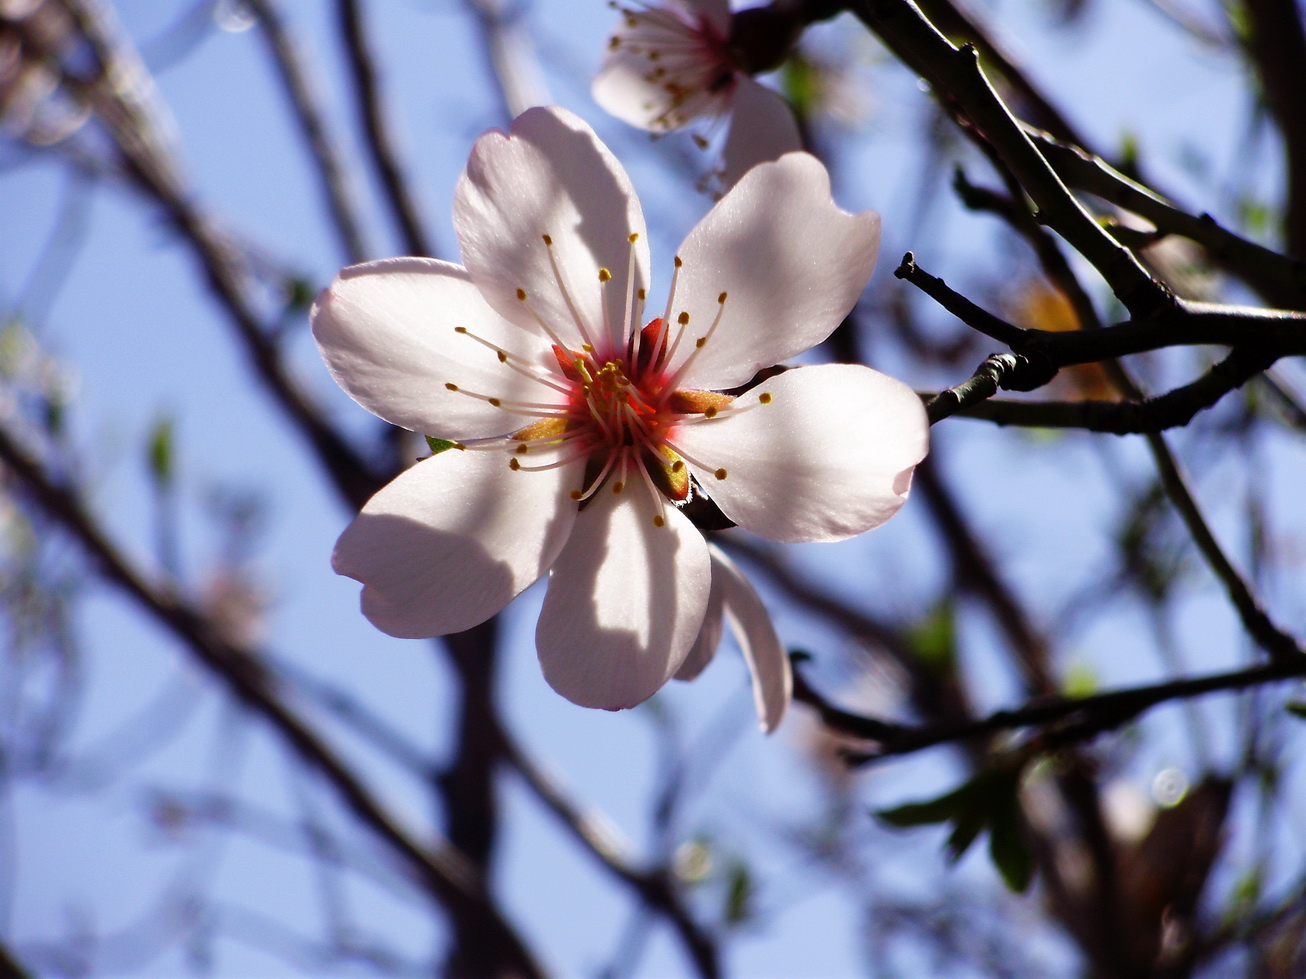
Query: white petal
point(550, 175)
point(791, 263)
point(454, 539)
point(709, 635)
point(762, 128)
point(625, 602)
point(829, 457)
point(773, 682)
point(386, 332)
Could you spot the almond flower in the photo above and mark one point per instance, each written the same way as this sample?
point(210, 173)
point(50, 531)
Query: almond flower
point(579, 421)
point(670, 65)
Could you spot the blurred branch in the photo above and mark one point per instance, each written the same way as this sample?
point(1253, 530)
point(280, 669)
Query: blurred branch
point(655, 888)
point(121, 97)
point(444, 873)
point(10, 967)
point(1276, 43)
point(336, 187)
point(367, 100)
point(1065, 720)
point(1280, 646)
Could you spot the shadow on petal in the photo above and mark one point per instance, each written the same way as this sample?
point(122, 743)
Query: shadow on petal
point(625, 603)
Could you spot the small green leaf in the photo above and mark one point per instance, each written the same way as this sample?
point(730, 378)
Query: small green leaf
point(298, 293)
point(1008, 847)
point(159, 453)
point(988, 801)
point(934, 638)
point(439, 445)
point(739, 895)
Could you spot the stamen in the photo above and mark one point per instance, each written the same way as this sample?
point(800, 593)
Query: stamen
point(534, 409)
point(701, 342)
point(544, 377)
point(566, 293)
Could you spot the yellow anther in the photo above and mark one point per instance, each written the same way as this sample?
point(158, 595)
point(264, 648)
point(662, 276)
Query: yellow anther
point(460, 329)
point(633, 237)
point(658, 521)
point(709, 412)
point(764, 397)
point(720, 474)
point(604, 275)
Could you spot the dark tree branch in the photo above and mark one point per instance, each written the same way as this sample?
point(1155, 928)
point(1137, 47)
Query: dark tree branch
point(1066, 719)
point(956, 75)
point(1174, 409)
point(1280, 279)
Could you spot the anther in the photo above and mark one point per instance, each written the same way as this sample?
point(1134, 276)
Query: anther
point(721, 299)
point(764, 398)
point(618, 486)
point(658, 520)
point(720, 474)
point(513, 464)
point(451, 386)
point(709, 412)
point(521, 295)
point(633, 237)
point(604, 275)
point(547, 239)
point(683, 319)
point(679, 262)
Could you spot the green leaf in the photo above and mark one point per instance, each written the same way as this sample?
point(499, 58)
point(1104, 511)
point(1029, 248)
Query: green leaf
point(1008, 846)
point(159, 453)
point(739, 895)
point(934, 638)
point(988, 801)
point(439, 445)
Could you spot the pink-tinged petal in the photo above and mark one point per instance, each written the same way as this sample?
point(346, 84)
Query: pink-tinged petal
point(387, 333)
point(773, 682)
point(454, 539)
point(830, 456)
point(709, 635)
point(667, 66)
point(550, 175)
point(791, 265)
point(626, 87)
point(716, 13)
point(626, 600)
point(762, 129)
